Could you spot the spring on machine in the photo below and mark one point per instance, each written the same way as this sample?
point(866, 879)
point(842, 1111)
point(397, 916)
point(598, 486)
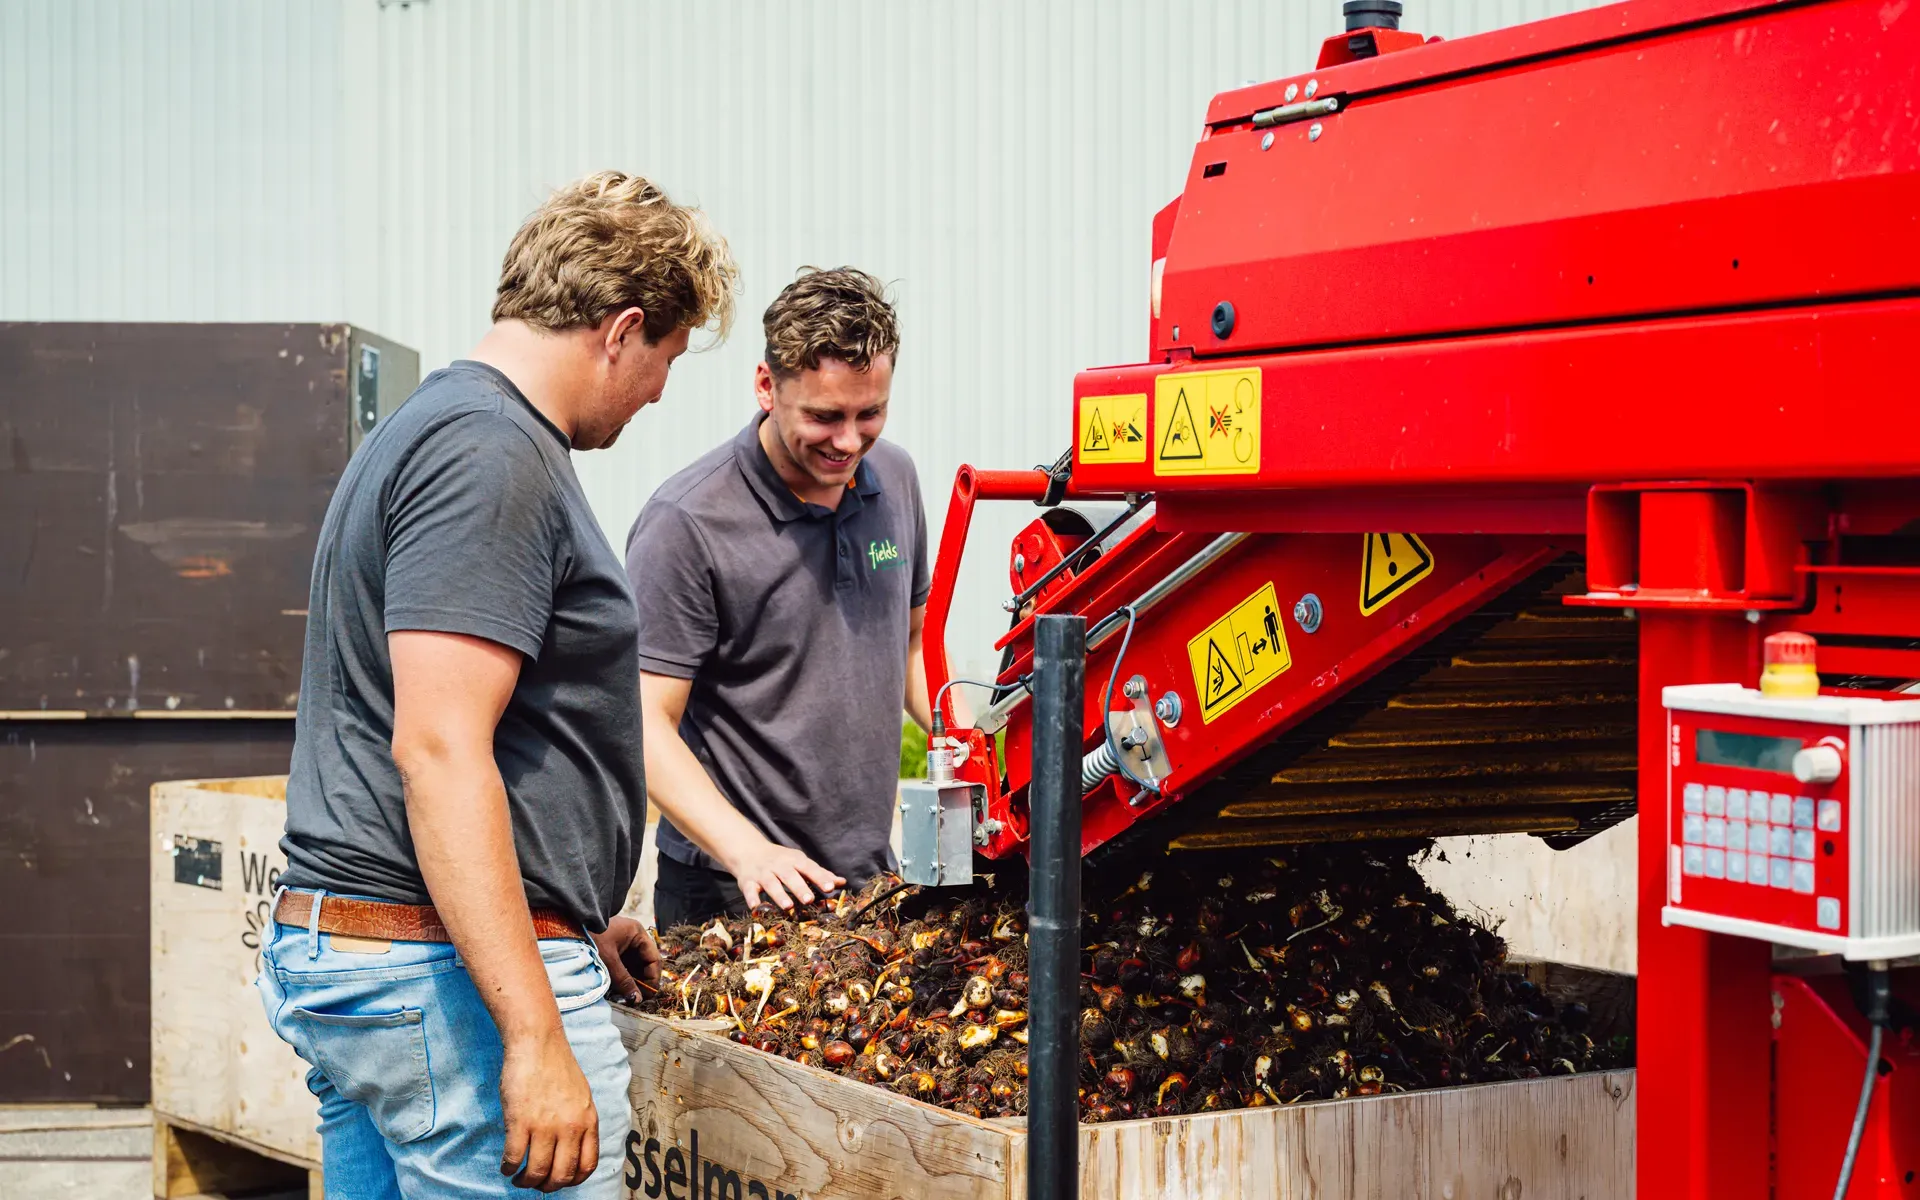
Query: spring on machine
point(1101, 761)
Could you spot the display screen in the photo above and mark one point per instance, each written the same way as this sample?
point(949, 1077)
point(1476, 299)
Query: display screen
point(1719, 748)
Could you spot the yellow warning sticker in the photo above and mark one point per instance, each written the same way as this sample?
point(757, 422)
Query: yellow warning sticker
point(1113, 429)
point(1233, 657)
point(1390, 563)
point(1207, 423)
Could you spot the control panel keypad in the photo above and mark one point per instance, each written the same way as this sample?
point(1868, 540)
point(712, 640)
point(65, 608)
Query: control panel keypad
point(1762, 838)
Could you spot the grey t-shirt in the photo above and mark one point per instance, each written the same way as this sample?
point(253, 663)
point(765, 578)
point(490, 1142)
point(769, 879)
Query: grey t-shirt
point(792, 621)
point(462, 514)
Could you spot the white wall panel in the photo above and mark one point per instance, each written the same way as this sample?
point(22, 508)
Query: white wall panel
point(998, 161)
point(170, 160)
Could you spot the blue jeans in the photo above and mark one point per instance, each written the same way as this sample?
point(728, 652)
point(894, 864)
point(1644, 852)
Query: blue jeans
point(406, 1064)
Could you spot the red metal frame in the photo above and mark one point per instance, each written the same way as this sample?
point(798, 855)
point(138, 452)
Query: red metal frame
point(1820, 1052)
point(1641, 282)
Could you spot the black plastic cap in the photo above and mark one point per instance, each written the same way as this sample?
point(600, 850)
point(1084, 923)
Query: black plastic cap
point(1371, 14)
point(1223, 317)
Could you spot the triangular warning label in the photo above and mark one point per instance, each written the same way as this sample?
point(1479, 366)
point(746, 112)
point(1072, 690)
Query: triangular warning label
point(1390, 564)
point(1222, 680)
point(1096, 435)
point(1183, 436)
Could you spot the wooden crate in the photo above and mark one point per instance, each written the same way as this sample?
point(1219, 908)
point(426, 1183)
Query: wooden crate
point(230, 1100)
point(770, 1129)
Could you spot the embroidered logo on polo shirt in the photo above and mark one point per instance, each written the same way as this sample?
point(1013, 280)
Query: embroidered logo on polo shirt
point(882, 555)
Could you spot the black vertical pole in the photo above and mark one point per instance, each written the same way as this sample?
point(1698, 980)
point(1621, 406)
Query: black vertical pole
point(1053, 908)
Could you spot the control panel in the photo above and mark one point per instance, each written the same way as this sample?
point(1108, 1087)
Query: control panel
point(1794, 820)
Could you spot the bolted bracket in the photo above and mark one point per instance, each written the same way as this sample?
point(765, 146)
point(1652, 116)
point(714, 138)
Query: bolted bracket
point(937, 832)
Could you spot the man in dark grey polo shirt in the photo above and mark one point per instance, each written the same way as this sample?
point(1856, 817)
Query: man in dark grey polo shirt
point(782, 582)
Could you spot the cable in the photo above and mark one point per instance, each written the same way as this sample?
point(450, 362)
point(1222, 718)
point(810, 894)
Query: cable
point(1860, 1115)
point(1879, 995)
point(939, 728)
point(1106, 707)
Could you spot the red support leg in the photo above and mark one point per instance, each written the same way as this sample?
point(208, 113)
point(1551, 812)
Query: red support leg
point(1704, 1030)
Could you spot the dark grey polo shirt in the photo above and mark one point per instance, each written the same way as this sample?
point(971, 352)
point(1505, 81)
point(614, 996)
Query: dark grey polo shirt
point(792, 622)
point(461, 514)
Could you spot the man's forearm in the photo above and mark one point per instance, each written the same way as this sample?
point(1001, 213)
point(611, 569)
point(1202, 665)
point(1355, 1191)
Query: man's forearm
point(463, 840)
point(917, 701)
point(685, 793)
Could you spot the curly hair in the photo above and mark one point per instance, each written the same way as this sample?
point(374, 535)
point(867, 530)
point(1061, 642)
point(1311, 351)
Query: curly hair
point(841, 313)
point(612, 241)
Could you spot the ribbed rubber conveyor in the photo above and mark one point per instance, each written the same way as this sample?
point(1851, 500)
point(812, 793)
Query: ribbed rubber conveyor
point(1519, 719)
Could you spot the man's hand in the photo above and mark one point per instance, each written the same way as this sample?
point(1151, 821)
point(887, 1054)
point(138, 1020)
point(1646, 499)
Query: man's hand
point(780, 872)
point(552, 1125)
point(633, 961)
point(680, 786)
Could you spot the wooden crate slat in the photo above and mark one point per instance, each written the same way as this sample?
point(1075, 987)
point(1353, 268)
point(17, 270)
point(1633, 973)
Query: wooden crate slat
point(796, 1131)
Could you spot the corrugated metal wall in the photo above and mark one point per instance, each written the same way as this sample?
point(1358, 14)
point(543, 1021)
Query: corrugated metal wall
point(348, 159)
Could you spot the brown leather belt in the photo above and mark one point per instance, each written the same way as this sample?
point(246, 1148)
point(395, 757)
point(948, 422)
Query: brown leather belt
point(397, 922)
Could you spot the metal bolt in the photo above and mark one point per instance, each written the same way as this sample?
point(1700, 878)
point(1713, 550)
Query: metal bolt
point(1293, 89)
point(1313, 132)
point(1266, 143)
point(1168, 709)
point(1753, 616)
point(1313, 85)
point(1019, 563)
point(1307, 613)
point(1136, 687)
point(1134, 737)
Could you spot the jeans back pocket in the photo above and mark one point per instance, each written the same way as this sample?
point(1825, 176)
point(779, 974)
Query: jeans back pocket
point(378, 1060)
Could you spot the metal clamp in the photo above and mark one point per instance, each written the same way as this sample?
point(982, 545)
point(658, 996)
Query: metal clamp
point(1136, 734)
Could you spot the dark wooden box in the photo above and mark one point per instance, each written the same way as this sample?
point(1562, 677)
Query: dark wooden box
point(161, 489)
point(161, 492)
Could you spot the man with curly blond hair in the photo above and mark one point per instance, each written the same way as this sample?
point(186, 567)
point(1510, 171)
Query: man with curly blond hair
point(782, 582)
point(467, 793)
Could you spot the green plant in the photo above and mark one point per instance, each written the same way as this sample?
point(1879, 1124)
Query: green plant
point(913, 750)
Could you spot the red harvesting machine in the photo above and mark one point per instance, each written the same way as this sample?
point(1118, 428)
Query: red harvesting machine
point(1503, 396)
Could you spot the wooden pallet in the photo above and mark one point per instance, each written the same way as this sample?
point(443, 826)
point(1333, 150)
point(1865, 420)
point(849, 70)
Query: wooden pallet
point(191, 1160)
point(768, 1129)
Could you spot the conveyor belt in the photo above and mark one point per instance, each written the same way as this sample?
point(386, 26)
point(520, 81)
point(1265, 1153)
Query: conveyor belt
point(1521, 718)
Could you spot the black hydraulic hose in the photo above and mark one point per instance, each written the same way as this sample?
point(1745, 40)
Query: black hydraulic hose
point(1878, 1003)
point(1053, 908)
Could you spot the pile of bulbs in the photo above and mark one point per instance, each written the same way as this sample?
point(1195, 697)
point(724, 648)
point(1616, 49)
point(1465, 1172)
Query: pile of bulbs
point(1312, 974)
